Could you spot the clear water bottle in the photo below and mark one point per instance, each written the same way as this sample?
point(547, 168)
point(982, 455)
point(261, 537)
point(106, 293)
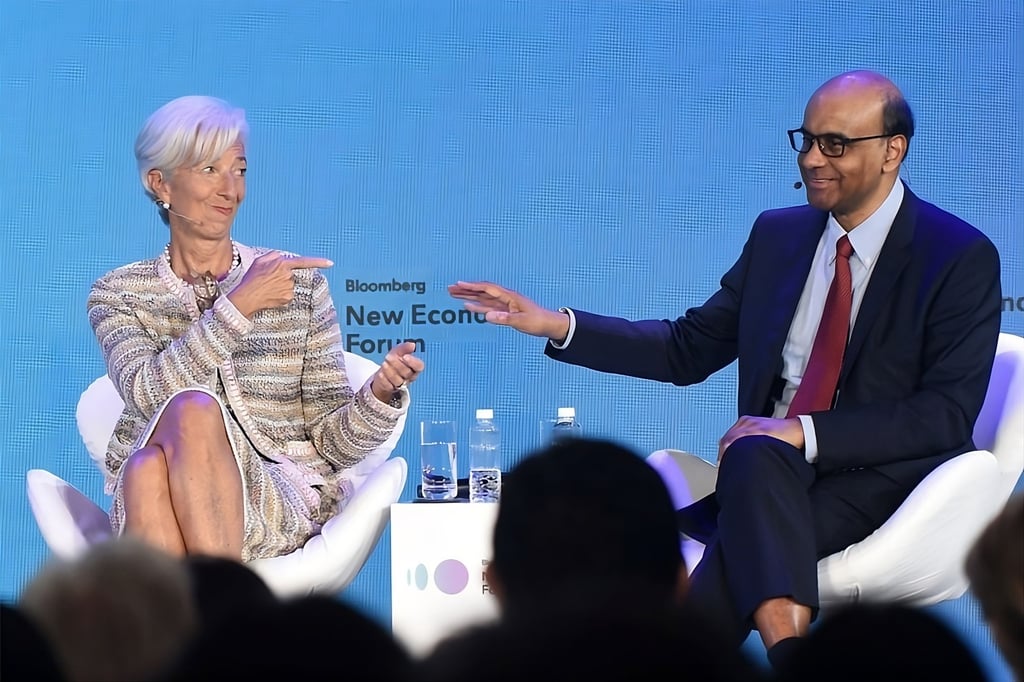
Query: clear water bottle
point(565, 425)
point(484, 458)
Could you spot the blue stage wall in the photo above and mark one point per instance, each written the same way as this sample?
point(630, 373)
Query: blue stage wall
point(604, 155)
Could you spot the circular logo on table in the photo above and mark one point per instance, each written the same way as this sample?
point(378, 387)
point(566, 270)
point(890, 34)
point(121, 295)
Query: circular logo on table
point(421, 577)
point(451, 576)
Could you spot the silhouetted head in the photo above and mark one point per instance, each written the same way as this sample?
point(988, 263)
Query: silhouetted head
point(892, 642)
point(583, 515)
point(995, 568)
point(314, 637)
point(620, 636)
point(25, 654)
point(119, 612)
point(224, 588)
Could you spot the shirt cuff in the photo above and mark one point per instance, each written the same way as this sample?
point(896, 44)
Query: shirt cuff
point(572, 330)
point(227, 313)
point(810, 438)
point(396, 405)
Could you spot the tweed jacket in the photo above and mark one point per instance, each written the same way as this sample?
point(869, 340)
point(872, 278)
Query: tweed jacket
point(281, 374)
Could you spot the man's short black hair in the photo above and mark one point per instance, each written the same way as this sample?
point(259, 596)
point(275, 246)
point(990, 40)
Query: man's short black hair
point(897, 118)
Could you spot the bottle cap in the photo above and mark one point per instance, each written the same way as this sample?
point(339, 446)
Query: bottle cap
point(485, 413)
point(566, 412)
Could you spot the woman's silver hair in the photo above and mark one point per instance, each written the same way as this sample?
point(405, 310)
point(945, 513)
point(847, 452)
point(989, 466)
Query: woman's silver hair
point(186, 132)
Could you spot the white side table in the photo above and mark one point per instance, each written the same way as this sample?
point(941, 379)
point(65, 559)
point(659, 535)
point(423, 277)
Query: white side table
point(438, 555)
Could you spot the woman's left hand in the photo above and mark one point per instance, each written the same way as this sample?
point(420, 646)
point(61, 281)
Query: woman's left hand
point(400, 367)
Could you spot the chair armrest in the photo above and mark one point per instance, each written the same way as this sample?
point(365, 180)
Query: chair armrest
point(68, 520)
point(687, 477)
point(917, 555)
point(96, 414)
point(360, 369)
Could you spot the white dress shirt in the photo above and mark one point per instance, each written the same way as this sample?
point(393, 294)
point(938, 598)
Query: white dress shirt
point(867, 239)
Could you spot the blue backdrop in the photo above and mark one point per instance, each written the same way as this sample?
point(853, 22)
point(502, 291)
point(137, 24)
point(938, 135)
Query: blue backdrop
point(604, 155)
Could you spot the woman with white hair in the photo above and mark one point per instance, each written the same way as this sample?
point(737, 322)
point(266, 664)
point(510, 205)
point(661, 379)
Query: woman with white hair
point(238, 418)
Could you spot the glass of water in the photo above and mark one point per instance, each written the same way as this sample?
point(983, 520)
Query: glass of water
point(437, 460)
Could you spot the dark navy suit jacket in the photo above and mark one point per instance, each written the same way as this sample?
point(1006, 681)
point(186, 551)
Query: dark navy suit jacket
point(915, 371)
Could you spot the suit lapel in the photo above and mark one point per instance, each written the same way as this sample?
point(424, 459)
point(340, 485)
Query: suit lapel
point(891, 261)
point(791, 265)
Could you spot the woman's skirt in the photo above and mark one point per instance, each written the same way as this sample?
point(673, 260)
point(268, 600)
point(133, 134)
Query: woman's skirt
point(282, 506)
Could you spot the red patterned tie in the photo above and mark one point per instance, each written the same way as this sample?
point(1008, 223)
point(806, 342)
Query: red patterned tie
point(818, 385)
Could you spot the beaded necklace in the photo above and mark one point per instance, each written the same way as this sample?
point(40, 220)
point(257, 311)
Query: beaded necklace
point(205, 285)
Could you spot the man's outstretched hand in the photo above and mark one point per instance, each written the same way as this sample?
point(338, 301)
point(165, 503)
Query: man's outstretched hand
point(508, 308)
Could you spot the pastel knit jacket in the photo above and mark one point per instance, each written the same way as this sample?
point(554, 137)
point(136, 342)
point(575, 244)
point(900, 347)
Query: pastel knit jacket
point(283, 371)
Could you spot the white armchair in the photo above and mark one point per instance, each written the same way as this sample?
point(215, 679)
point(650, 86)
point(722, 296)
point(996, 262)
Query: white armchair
point(917, 556)
point(70, 522)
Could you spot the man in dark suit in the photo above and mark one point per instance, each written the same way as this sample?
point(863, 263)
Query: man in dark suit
point(865, 326)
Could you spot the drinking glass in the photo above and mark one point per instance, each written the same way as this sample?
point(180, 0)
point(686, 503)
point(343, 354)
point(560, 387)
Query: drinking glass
point(438, 459)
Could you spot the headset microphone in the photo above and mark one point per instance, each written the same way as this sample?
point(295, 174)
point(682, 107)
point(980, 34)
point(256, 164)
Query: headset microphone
point(167, 207)
point(797, 184)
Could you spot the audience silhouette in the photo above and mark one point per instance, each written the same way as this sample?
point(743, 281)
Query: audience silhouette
point(618, 636)
point(585, 515)
point(25, 654)
point(120, 612)
point(313, 637)
point(995, 568)
point(880, 642)
point(222, 588)
point(587, 570)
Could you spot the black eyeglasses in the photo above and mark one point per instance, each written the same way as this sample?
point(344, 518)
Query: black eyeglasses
point(830, 144)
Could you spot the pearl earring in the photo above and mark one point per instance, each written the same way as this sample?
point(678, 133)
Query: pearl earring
point(162, 204)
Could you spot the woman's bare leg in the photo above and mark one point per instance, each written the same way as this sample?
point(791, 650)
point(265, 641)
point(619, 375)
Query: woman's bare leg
point(204, 482)
point(147, 501)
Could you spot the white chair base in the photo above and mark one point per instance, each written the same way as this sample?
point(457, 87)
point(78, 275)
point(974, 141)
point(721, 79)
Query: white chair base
point(917, 555)
point(70, 522)
point(330, 560)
